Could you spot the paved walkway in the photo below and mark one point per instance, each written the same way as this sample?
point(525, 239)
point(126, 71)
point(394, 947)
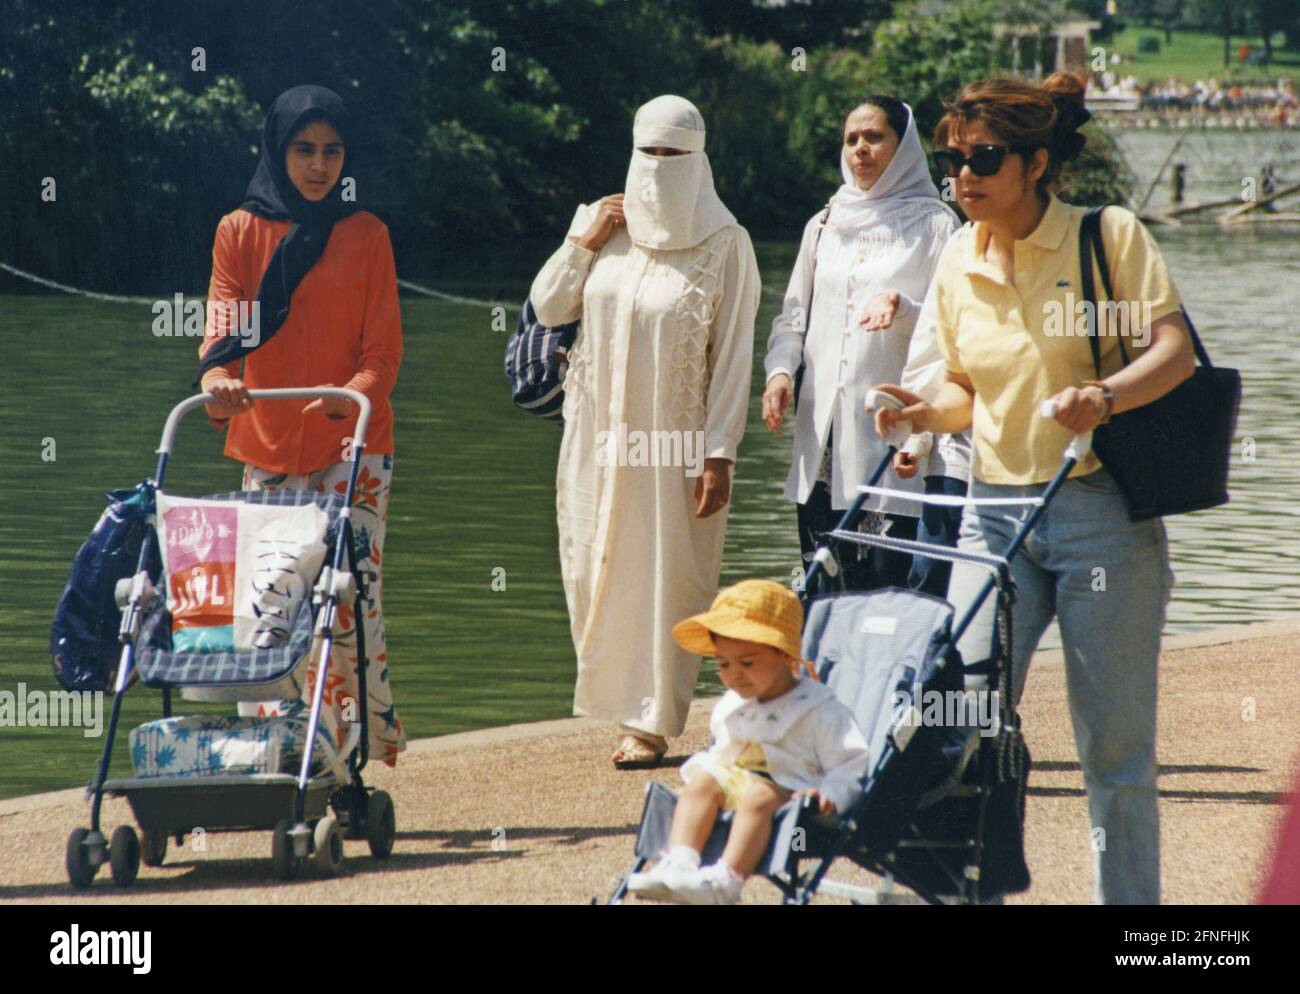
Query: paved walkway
point(536, 813)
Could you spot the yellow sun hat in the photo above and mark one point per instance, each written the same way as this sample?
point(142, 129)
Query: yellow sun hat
point(752, 610)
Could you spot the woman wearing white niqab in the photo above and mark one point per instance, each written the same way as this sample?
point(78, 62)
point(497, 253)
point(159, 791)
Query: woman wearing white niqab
point(666, 287)
point(855, 294)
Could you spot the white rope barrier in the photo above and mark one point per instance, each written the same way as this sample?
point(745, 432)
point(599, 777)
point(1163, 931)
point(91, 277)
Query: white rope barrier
point(112, 298)
point(451, 297)
point(118, 299)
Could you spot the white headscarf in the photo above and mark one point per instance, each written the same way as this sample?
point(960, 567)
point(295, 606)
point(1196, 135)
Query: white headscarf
point(906, 180)
point(669, 201)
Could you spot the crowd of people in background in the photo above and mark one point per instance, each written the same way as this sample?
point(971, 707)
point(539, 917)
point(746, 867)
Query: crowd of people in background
point(1278, 101)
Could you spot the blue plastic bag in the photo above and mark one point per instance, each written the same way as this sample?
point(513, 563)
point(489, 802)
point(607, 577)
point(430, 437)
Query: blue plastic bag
point(84, 648)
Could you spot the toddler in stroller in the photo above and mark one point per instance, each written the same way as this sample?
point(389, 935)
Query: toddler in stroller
point(776, 735)
point(940, 807)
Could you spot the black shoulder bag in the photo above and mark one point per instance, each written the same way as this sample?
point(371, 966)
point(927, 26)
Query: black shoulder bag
point(1170, 456)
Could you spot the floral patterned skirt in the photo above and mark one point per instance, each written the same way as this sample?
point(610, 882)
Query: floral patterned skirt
point(369, 521)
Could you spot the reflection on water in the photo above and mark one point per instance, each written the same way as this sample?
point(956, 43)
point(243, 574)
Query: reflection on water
point(473, 488)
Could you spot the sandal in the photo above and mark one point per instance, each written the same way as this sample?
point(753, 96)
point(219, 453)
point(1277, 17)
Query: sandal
point(636, 754)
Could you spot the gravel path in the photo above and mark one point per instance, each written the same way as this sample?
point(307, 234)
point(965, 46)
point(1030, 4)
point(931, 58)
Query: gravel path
point(536, 813)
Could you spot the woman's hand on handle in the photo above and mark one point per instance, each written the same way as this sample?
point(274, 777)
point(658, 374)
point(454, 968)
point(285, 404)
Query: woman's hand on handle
point(713, 487)
point(231, 398)
point(915, 410)
point(609, 218)
point(776, 401)
point(1079, 409)
point(334, 408)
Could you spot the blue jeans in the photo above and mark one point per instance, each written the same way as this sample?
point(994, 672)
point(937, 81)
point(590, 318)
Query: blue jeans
point(1107, 581)
point(938, 526)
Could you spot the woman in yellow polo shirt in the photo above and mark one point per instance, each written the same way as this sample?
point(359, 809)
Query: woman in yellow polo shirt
point(1005, 303)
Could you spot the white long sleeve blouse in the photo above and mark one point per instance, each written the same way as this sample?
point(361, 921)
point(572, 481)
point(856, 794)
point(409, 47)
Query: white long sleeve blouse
point(899, 252)
point(925, 372)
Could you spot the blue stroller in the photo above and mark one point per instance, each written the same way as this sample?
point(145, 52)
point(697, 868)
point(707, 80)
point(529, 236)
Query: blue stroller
point(283, 774)
point(942, 804)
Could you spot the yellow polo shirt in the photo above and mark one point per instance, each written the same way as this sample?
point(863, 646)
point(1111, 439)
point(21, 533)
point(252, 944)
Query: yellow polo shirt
point(1025, 343)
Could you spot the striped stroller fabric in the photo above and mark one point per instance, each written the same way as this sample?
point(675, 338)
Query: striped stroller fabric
point(273, 672)
point(535, 363)
point(161, 667)
point(332, 504)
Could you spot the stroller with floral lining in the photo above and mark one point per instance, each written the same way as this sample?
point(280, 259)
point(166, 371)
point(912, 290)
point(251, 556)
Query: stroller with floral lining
point(254, 583)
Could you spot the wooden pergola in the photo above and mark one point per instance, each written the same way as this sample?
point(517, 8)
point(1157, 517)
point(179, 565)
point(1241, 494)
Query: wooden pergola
point(1071, 38)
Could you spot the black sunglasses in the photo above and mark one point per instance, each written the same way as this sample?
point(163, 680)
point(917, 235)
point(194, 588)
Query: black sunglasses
point(984, 160)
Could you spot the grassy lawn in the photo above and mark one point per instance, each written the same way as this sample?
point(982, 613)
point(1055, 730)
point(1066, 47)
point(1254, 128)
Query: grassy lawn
point(1194, 55)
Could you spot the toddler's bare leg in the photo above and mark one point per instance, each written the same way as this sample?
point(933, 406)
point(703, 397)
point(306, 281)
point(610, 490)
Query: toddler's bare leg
point(752, 826)
point(697, 810)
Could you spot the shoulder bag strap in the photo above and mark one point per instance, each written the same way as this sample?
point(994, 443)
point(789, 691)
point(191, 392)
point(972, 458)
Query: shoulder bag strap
point(812, 287)
point(1091, 230)
point(1090, 242)
point(817, 240)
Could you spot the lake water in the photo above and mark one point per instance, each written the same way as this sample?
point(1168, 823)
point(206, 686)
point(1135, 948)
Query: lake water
point(1241, 285)
point(473, 489)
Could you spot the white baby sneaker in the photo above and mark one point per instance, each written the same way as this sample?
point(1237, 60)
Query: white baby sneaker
point(713, 884)
point(652, 883)
point(658, 882)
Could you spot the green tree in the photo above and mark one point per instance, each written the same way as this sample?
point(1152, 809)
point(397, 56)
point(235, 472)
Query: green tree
point(929, 59)
point(1268, 17)
point(131, 143)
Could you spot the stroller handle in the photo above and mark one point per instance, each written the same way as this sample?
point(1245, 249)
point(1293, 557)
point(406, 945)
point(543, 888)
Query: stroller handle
point(1079, 444)
point(282, 393)
point(879, 398)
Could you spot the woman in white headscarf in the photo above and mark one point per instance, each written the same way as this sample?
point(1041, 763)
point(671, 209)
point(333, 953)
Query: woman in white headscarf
point(855, 294)
point(666, 287)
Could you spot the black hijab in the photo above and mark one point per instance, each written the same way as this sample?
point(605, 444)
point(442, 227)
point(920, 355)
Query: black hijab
point(272, 195)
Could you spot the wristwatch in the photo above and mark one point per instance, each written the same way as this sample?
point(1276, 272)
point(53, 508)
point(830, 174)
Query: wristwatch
point(1107, 395)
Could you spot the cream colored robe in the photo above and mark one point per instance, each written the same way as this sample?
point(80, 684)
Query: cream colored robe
point(666, 345)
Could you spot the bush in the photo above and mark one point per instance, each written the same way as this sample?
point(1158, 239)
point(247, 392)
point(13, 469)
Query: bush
point(1097, 177)
point(774, 130)
point(1148, 45)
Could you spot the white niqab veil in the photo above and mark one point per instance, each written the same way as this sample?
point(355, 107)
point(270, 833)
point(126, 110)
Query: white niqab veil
point(669, 201)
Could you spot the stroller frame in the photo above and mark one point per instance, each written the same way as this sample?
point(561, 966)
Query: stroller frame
point(295, 807)
point(834, 834)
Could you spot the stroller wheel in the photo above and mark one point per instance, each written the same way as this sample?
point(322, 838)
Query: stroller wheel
point(381, 824)
point(283, 859)
point(81, 871)
point(124, 856)
point(153, 847)
point(342, 803)
point(329, 847)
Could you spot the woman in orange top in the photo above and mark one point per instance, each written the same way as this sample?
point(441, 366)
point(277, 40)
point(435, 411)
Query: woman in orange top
point(316, 281)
